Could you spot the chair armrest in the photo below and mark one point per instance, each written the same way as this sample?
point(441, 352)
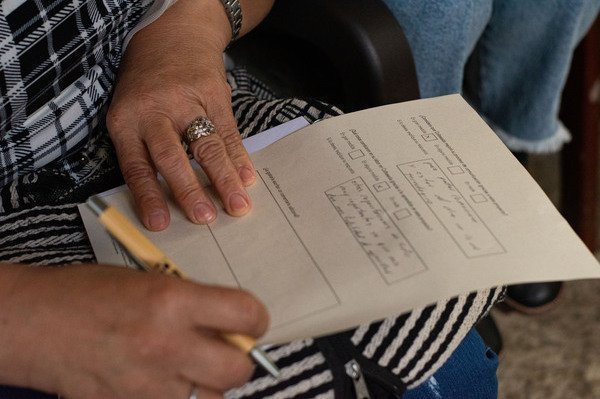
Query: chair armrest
point(357, 42)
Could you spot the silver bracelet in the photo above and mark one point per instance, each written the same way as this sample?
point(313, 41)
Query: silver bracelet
point(234, 14)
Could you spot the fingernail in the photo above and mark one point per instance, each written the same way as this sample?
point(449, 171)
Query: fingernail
point(237, 202)
point(157, 220)
point(204, 213)
point(246, 174)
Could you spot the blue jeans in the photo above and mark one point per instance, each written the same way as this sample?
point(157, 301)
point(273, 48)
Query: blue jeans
point(521, 52)
point(469, 373)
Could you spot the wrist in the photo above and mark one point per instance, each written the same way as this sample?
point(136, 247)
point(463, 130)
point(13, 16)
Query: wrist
point(199, 19)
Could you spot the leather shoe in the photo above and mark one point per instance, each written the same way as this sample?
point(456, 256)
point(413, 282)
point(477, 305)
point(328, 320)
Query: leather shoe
point(533, 298)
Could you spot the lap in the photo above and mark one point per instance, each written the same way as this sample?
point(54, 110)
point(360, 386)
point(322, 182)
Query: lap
point(469, 373)
point(407, 349)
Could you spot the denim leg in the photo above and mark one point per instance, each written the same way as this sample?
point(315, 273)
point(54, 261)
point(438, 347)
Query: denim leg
point(469, 373)
point(524, 58)
point(442, 35)
point(524, 50)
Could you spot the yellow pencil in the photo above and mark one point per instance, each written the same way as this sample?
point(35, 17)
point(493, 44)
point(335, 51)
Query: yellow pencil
point(148, 256)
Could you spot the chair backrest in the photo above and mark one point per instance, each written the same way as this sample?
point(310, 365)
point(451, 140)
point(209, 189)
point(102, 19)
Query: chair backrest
point(351, 53)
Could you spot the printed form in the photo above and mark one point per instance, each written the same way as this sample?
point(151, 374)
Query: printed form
point(375, 213)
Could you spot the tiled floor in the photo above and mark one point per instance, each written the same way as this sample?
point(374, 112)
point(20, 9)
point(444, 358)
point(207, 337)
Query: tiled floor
point(555, 354)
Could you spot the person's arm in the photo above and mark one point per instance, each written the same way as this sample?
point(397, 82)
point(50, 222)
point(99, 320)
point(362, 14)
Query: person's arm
point(173, 72)
point(90, 331)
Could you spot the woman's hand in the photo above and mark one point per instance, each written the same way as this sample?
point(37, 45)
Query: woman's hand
point(173, 72)
point(107, 332)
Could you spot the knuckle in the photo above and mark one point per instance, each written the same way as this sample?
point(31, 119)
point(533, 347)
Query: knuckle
point(145, 345)
point(140, 109)
point(148, 199)
point(151, 338)
point(231, 137)
point(123, 134)
point(210, 151)
point(168, 159)
point(252, 312)
point(217, 89)
point(213, 91)
point(137, 173)
point(188, 194)
point(115, 118)
point(151, 99)
point(163, 299)
point(166, 297)
point(226, 178)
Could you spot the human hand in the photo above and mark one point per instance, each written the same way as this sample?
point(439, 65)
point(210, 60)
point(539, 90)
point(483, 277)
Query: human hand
point(173, 72)
point(107, 332)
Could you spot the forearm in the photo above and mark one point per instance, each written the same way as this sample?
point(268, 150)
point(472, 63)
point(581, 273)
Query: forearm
point(15, 340)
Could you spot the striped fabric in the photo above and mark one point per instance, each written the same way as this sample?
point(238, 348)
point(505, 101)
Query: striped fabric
point(411, 347)
point(39, 224)
point(53, 232)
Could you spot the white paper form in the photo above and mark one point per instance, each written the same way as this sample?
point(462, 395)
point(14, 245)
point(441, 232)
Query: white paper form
point(378, 212)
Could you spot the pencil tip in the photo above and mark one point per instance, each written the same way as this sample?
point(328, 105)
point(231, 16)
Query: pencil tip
point(96, 205)
point(263, 360)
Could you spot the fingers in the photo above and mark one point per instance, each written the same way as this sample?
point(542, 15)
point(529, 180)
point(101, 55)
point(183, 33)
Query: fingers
point(212, 155)
point(166, 151)
point(225, 309)
point(223, 161)
point(223, 118)
point(209, 312)
point(226, 162)
point(139, 174)
point(211, 363)
point(156, 146)
point(206, 358)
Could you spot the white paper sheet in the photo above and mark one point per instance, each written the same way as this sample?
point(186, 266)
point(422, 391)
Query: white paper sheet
point(374, 213)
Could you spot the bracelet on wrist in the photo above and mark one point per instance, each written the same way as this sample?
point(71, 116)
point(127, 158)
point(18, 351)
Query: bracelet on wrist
point(233, 10)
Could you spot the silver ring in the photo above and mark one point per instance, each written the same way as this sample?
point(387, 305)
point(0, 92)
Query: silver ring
point(200, 127)
point(194, 392)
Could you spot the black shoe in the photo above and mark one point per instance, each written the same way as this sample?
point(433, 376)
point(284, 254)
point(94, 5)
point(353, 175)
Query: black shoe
point(487, 328)
point(533, 298)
